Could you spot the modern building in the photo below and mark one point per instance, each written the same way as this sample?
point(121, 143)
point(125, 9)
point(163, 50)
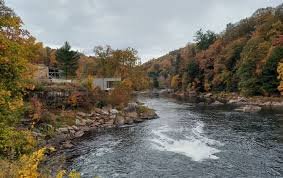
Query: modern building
point(106, 83)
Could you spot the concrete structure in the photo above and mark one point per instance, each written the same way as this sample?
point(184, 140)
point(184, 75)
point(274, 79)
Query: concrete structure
point(106, 83)
point(40, 72)
point(43, 73)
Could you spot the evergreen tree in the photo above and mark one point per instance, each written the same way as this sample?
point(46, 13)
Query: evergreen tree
point(67, 59)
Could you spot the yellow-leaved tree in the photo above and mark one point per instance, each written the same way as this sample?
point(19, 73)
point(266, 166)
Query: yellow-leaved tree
point(17, 50)
point(280, 77)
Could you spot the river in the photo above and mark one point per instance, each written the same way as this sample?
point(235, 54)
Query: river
point(186, 141)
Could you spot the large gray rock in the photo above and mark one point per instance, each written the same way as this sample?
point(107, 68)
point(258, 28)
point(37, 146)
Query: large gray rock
point(67, 144)
point(113, 117)
point(114, 111)
point(249, 108)
point(120, 120)
point(217, 103)
point(63, 130)
point(95, 124)
point(132, 107)
point(208, 95)
point(239, 100)
point(88, 122)
point(98, 111)
point(101, 121)
point(80, 122)
point(85, 129)
point(79, 134)
point(129, 120)
point(132, 114)
point(75, 128)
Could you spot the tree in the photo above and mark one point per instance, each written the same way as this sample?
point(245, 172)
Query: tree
point(280, 77)
point(103, 56)
point(204, 40)
point(269, 81)
point(67, 60)
point(249, 69)
point(184, 81)
point(193, 69)
point(17, 49)
point(175, 82)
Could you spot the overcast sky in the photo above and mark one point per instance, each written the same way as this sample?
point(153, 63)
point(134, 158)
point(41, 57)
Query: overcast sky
point(153, 27)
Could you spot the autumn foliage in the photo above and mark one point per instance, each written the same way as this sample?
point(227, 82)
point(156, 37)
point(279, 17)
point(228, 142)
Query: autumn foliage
point(243, 58)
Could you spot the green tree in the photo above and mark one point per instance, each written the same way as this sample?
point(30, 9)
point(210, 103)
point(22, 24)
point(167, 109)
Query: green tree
point(204, 40)
point(268, 79)
point(67, 60)
point(193, 69)
point(255, 51)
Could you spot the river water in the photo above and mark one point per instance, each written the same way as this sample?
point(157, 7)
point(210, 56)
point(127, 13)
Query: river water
point(186, 141)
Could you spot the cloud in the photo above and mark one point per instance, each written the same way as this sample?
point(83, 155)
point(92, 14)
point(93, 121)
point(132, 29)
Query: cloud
point(153, 27)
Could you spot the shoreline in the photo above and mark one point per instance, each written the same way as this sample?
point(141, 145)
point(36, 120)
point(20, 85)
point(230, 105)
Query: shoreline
point(86, 123)
point(241, 103)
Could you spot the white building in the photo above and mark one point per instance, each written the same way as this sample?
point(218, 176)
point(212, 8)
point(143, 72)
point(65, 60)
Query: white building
point(106, 83)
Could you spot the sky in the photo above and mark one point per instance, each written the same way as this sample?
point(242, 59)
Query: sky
point(153, 27)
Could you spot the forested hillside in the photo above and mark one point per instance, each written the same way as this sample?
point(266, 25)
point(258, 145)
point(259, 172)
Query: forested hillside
point(246, 58)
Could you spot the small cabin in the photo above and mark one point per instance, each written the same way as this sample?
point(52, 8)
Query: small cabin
point(106, 83)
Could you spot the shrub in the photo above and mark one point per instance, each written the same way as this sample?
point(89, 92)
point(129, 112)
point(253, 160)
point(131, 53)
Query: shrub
point(35, 110)
point(121, 95)
point(14, 143)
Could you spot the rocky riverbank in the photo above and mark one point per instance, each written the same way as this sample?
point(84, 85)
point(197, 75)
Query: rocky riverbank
point(106, 118)
point(98, 119)
point(241, 103)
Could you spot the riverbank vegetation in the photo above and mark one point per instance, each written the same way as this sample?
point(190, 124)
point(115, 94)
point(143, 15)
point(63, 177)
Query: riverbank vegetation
point(245, 58)
point(33, 109)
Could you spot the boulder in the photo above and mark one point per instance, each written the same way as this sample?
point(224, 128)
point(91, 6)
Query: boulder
point(131, 107)
point(138, 120)
point(208, 95)
point(105, 112)
point(85, 129)
point(63, 130)
point(95, 124)
point(120, 120)
point(114, 111)
point(149, 114)
point(98, 111)
point(72, 132)
point(249, 108)
point(132, 114)
point(101, 121)
point(216, 103)
point(79, 134)
point(80, 122)
point(75, 128)
point(112, 117)
point(68, 144)
point(110, 122)
point(88, 122)
point(239, 100)
point(129, 120)
point(60, 137)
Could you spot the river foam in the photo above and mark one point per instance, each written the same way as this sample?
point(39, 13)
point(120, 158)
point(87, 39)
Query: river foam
point(194, 145)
